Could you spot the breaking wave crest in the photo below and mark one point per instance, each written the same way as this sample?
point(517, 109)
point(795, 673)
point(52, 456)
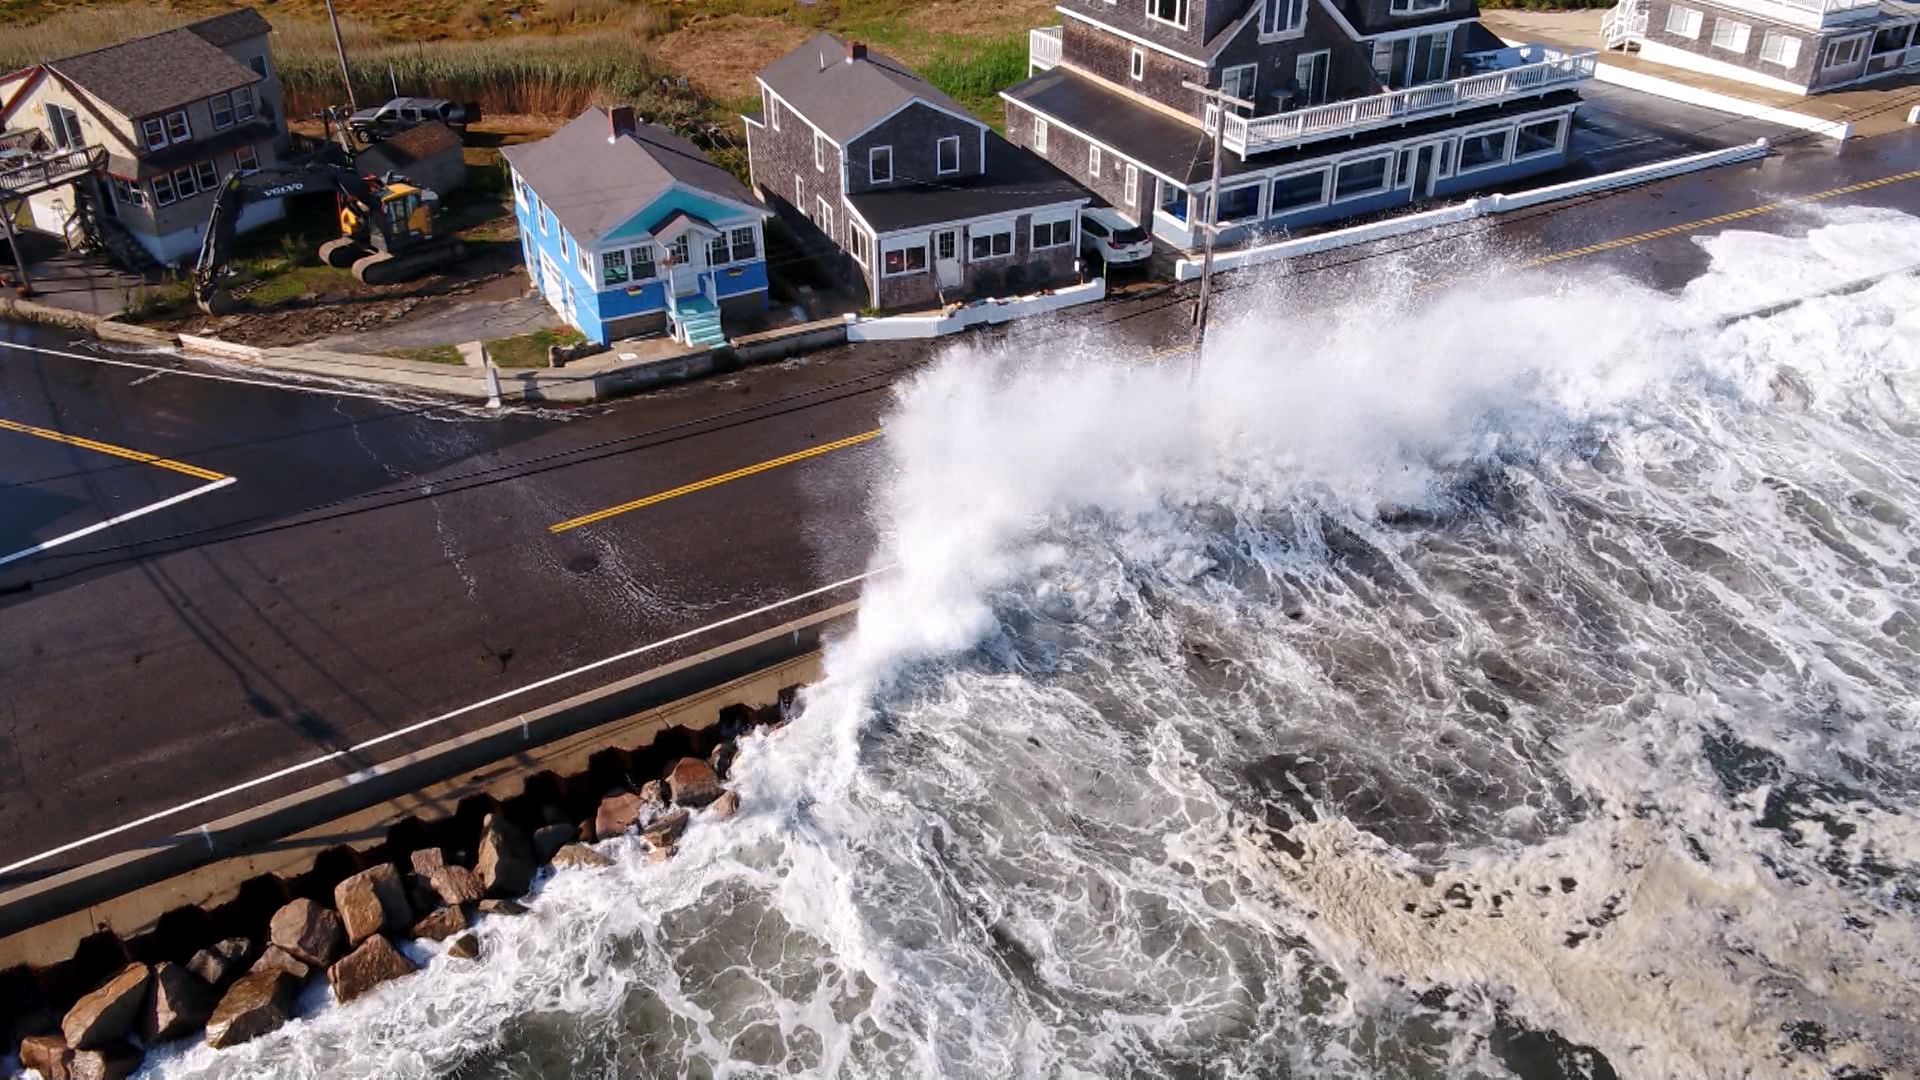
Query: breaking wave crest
point(1515, 680)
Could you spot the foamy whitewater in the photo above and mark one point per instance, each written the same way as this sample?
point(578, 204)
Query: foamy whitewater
point(1515, 680)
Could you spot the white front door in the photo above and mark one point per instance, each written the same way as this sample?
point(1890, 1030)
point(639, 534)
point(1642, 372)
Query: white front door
point(552, 285)
point(946, 257)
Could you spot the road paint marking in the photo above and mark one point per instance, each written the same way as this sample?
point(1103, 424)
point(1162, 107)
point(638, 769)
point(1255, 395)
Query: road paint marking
point(46, 545)
point(281, 774)
point(272, 384)
point(1723, 219)
point(142, 457)
point(713, 481)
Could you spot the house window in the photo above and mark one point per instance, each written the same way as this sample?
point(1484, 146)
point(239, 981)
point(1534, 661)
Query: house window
point(772, 108)
point(1683, 21)
point(1407, 61)
point(1048, 234)
point(909, 258)
point(1539, 137)
point(566, 247)
point(826, 216)
point(945, 244)
point(1731, 36)
point(861, 247)
point(128, 194)
point(993, 241)
point(947, 155)
point(1892, 39)
point(613, 267)
point(178, 130)
point(819, 153)
point(1240, 204)
point(1133, 181)
point(155, 132)
point(207, 174)
point(259, 65)
point(1137, 65)
point(1283, 16)
point(1842, 53)
point(65, 124)
point(1093, 161)
point(585, 263)
point(245, 160)
point(717, 251)
point(221, 106)
point(1355, 179)
point(880, 165)
point(1039, 136)
point(1779, 48)
point(677, 251)
point(183, 185)
point(162, 191)
point(1417, 7)
point(1168, 11)
point(1173, 201)
point(744, 247)
point(1483, 149)
point(640, 263)
point(799, 192)
point(242, 105)
point(1310, 77)
point(1241, 81)
point(1301, 191)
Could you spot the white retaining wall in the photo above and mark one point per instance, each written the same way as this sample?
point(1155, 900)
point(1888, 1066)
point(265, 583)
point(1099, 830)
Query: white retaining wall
point(1188, 269)
point(979, 313)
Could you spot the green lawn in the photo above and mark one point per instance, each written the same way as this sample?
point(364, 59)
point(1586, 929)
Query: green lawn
point(530, 350)
point(278, 282)
point(432, 354)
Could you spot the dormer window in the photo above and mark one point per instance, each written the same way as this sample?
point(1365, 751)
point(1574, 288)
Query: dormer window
point(947, 155)
point(1173, 12)
point(1288, 16)
point(1417, 7)
point(155, 132)
point(880, 165)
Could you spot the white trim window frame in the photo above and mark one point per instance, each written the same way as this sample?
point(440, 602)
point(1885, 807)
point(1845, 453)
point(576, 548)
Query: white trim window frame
point(1731, 35)
point(1093, 161)
point(246, 159)
point(1780, 48)
point(825, 210)
point(179, 126)
point(904, 246)
point(1325, 175)
point(585, 263)
point(1503, 132)
point(243, 109)
point(743, 248)
point(184, 185)
point(1055, 228)
point(1170, 12)
point(772, 108)
point(154, 131)
point(163, 191)
point(1131, 195)
point(128, 193)
point(819, 152)
point(1416, 7)
point(1684, 22)
point(876, 175)
point(1386, 176)
point(1854, 49)
point(616, 272)
point(1040, 136)
point(983, 240)
point(207, 175)
point(221, 105)
point(1137, 64)
point(1241, 81)
point(259, 66)
point(1559, 125)
point(1282, 19)
point(940, 166)
point(860, 246)
point(1318, 66)
point(1258, 187)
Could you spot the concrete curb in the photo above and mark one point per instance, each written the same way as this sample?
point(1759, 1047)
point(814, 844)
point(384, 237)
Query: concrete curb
point(991, 312)
point(1481, 206)
point(37, 902)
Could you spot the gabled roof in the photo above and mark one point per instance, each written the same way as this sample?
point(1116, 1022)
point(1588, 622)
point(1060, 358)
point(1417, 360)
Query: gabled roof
point(1016, 179)
point(594, 185)
point(158, 72)
point(845, 97)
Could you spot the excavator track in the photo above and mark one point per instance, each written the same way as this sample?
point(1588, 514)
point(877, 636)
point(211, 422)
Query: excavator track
point(341, 253)
point(382, 268)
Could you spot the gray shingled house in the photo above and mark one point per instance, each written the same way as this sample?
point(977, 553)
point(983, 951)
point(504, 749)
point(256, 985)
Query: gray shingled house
point(175, 112)
point(900, 187)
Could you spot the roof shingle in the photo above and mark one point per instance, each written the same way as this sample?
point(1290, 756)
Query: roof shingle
point(844, 97)
point(158, 72)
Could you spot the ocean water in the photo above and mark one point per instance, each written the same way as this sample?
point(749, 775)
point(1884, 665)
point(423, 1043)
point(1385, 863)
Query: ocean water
point(1517, 679)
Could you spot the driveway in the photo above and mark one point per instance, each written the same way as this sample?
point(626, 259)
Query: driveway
point(475, 317)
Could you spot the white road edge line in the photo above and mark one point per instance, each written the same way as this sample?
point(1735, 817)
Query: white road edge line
point(410, 729)
point(292, 387)
point(112, 521)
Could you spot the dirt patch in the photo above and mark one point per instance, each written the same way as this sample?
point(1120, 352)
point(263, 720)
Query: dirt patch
point(722, 54)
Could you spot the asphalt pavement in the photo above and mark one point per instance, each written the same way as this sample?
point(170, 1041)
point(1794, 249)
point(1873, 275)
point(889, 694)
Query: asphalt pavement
point(359, 565)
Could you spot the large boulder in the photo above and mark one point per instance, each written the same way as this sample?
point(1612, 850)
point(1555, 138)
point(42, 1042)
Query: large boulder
point(114, 1061)
point(179, 1003)
point(454, 885)
point(727, 805)
point(663, 833)
point(48, 1055)
point(222, 962)
point(465, 947)
point(284, 962)
point(371, 902)
point(376, 961)
point(693, 782)
point(444, 923)
point(505, 863)
point(621, 811)
point(579, 855)
point(548, 839)
point(722, 757)
point(427, 860)
point(108, 1013)
point(307, 931)
point(258, 1003)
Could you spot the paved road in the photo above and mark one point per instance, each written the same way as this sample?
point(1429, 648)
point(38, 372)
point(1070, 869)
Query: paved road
point(376, 563)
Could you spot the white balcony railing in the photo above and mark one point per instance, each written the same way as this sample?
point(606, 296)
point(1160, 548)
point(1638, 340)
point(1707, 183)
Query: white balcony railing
point(1043, 49)
point(1260, 134)
point(31, 174)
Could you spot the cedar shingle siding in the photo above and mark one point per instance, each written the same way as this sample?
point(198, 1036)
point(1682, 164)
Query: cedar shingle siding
point(1068, 152)
point(913, 133)
point(1801, 73)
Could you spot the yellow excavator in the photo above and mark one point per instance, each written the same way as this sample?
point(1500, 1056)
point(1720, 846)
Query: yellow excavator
point(388, 225)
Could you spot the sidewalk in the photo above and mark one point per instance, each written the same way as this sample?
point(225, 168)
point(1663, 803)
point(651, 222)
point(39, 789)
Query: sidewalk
point(1876, 109)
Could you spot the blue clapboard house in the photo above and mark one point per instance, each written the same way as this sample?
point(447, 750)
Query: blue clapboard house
point(628, 230)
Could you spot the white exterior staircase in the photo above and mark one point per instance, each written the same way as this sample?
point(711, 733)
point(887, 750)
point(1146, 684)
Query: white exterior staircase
point(1625, 25)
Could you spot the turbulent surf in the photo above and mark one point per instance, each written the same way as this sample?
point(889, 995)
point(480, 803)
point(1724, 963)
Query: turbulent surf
point(1517, 679)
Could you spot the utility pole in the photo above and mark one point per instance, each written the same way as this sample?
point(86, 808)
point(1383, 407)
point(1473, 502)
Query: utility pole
point(340, 46)
point(1221, 102)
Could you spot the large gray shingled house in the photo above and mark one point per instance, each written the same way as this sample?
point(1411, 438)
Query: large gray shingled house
point(900, 186)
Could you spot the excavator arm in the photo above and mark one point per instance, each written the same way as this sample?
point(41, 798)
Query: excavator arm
point(241, 189)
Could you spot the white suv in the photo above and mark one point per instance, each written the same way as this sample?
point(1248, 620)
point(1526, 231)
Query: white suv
point(1112, 239)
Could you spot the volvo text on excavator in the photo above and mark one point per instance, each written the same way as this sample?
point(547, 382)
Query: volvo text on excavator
point(387, 225)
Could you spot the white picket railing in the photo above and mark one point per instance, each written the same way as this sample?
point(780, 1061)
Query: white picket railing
point(1257, 135)
point(1043, 49)
point(46, 171)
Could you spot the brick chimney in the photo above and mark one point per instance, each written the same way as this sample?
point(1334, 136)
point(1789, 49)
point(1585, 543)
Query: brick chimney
point(856, 50)
point(620, 122)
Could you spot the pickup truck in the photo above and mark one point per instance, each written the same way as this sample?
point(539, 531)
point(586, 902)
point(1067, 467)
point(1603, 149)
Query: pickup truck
point(402, 113)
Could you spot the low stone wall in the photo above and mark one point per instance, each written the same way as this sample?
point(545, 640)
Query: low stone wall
point(978, 313)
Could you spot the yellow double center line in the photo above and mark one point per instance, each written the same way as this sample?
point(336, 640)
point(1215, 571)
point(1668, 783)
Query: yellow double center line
point(143, 458)
point(714, 481)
